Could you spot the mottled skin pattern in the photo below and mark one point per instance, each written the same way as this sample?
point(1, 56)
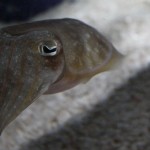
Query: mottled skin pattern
point(25, 74)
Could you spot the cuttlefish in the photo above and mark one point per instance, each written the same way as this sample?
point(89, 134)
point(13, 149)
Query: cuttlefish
point(48, 57)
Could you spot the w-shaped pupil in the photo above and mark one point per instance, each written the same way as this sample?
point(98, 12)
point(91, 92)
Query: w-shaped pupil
point(48, 50)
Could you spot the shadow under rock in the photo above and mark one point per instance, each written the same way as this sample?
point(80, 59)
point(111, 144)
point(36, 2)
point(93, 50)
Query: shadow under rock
point(120, 123)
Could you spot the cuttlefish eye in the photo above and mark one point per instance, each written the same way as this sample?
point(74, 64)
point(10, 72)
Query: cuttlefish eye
point(48, 49)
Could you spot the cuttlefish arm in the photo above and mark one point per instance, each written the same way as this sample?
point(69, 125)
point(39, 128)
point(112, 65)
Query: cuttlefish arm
point(48, 57)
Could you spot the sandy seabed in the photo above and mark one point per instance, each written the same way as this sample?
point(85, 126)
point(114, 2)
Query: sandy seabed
point(110, 111)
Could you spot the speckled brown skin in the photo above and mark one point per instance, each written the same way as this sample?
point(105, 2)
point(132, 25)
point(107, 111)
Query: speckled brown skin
point(25, 74)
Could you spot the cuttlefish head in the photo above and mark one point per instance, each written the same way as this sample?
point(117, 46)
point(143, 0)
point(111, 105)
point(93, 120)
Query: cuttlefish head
point(77, 50)
point(86, 53)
